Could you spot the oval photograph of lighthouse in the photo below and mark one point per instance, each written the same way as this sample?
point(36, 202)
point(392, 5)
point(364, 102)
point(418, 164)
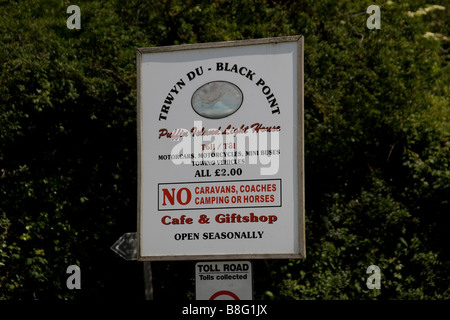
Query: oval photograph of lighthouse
point(217, 99)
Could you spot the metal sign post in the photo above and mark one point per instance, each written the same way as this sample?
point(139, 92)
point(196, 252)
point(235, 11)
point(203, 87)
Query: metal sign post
point(126, 247)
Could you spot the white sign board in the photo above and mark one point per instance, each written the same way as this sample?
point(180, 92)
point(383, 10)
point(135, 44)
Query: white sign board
point(220, 142)
point(228, 280)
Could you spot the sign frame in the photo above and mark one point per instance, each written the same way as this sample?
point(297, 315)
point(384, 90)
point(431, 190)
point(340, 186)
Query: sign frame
point(301, 252)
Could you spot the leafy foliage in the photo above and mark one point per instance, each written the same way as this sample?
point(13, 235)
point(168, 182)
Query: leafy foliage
point(377, 144)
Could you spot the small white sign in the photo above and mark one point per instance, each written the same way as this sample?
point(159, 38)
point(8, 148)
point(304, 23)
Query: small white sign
point(126, 246)
point(224, 280)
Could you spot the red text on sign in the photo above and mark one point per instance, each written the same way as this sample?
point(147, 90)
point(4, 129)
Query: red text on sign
point(171, 196)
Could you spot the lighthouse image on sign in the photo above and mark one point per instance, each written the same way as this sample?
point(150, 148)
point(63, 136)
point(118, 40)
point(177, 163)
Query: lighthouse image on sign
point(217, 99)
